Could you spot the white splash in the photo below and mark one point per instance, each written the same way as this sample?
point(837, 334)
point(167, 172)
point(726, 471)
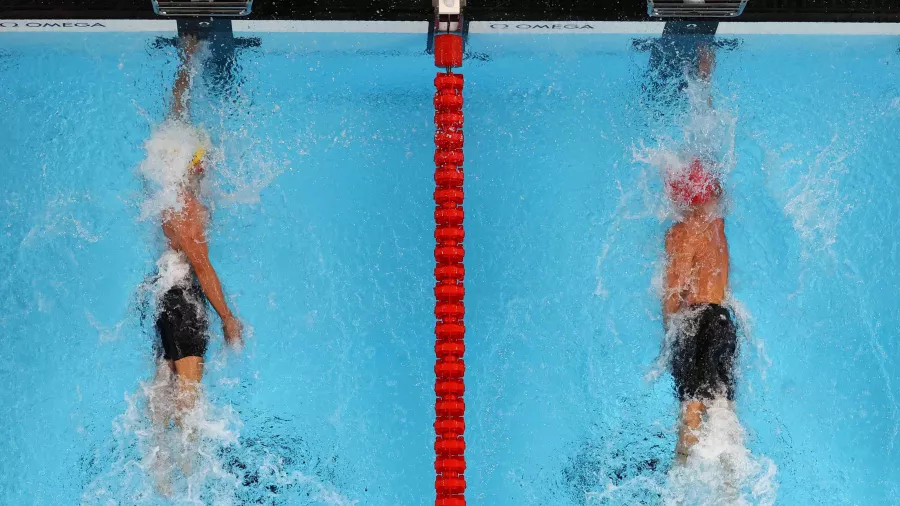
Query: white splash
point(104, 332)
point(61, 219)
point(707, 133)
point(170, 150)
point(720, 469)
point(640, 486)
point(173, 270)
point(195, 464)
point(815, 204)
point(158, 460)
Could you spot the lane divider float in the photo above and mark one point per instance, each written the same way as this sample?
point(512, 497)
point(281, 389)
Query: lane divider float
point(449, 273)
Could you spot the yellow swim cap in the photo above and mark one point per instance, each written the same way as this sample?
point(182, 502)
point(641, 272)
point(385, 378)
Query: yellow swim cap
point(198, 156)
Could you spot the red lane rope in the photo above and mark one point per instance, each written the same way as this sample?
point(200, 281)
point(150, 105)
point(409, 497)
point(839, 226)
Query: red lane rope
point(449, 272)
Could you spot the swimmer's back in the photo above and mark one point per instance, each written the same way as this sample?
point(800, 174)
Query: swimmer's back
point(703, 244)
point(185, 227)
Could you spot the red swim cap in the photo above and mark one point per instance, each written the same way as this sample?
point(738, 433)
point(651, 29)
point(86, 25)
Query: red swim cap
point(699, 186)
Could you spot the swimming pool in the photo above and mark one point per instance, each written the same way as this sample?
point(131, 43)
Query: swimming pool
point(322, 235)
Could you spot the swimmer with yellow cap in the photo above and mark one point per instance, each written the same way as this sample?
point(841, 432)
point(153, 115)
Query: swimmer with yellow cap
point(197, 161)
point(181, 313)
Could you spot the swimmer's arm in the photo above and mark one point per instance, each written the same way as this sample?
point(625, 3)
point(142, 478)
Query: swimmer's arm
point(725, 256)
point(198, 255)
point(183, 79)
point(673, 284)
point(705, 64)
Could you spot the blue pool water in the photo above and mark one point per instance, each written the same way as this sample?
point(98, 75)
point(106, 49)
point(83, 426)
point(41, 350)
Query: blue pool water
point(322, 235)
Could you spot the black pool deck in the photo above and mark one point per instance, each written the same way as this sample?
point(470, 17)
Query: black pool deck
point(485, 10)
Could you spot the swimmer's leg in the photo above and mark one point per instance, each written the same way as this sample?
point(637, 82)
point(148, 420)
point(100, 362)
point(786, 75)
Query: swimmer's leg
point(691, 417)
point(160, 401)
point(188, 373)
point(731, 483)
point(160, 397)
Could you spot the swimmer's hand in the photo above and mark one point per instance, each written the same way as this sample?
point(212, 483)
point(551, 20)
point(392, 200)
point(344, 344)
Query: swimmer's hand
point(232, 328)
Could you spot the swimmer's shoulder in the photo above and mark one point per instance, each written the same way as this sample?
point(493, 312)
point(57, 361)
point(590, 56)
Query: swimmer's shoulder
point(715, 230)
point(187, 224)
point(676, 233)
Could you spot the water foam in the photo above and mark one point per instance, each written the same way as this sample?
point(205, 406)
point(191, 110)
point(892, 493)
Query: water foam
point(146, 460)
point(707, 133)
point(61, 219)
point(172, 270)
point(170, 149)
point(720, 469)
point(815, 203)
point(145, 464)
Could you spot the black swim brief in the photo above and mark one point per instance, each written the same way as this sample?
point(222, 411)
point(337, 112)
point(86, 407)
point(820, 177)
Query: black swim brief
point(182, 322)
point(705, 352)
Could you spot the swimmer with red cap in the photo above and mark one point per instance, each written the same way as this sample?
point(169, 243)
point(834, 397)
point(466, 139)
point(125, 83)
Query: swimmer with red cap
point(695, 287)
point(696, 185)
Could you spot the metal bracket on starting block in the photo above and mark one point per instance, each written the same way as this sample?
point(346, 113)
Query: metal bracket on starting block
point(448, 18)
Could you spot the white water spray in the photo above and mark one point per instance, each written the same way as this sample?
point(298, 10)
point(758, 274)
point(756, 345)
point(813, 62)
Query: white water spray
point(170, 150)
point(720, 470)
